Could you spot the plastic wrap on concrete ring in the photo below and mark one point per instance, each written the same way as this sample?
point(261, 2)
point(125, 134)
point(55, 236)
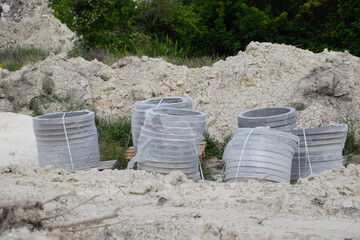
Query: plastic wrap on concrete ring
point(170, 140)
point(260, 152)
point(280, 118)
point(319, 149)
point(138, 112)
point(67, 140)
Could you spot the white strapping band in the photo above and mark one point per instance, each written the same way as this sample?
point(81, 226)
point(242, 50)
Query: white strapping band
point(242, 152)
point(160, 102)
point(307, 151)
point(299, 158)
point(67, 142)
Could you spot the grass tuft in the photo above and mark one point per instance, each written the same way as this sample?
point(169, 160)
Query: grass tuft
point(351, 149)
point(114, 139)
point(207, 172)
point(13, 59)
point(168, 52)
point(214, 148)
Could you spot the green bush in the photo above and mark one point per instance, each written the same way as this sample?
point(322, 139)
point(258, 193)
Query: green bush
point(214, 147)
point(13, 59)
point(210, 27)
point(351, 149)
point(168, 49)
point(101, 24)
point(114, 139)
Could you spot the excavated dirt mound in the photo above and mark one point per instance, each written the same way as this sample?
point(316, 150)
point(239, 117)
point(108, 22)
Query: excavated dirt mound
point(31, 23)
point(152, 206)
point(323, 87)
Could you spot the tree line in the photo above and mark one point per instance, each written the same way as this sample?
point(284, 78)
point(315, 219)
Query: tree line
point(195, 28)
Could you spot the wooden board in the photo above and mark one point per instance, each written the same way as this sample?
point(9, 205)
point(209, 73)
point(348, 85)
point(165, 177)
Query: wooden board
point(107, 165)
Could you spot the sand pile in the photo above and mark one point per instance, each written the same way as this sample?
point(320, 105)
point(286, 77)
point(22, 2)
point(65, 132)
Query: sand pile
point(17, 141)
point(323, 87)
point(31, 23)
point(325, 206)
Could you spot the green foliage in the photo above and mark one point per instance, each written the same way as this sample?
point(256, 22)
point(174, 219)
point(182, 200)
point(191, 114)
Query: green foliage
point(102, 24)
point(114, 139)
point(347, 32)
point(13, 59)
point(89, 54)
point(214, 148)
point(168, 49)
point(351, 149)
point(183, 28)
point(118, 131)
point(214, 35)
point(34, 105)
point(166, 19)
point(207, 173)
point(112, 151)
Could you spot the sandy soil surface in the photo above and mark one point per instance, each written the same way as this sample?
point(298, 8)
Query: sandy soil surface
point(152, 206)
point(17, 141)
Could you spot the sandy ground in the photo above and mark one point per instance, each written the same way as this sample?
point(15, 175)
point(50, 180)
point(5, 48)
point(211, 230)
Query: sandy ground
point(17, 141)
point(153, 206)
point(203, 210)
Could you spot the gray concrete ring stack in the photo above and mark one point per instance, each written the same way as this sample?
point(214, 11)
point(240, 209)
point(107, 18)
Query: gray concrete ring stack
point(67, 140)
point(138, 112)
point(279, 118)
point(170, 140)
point(321, 151)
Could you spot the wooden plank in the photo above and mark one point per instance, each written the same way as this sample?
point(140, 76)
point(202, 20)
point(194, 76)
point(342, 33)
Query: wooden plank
point(107, 165)
point(129, 154)
point(202, 151)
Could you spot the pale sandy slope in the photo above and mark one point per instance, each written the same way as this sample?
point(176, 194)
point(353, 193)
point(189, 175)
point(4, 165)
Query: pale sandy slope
point(203, 210)
point(17, 140)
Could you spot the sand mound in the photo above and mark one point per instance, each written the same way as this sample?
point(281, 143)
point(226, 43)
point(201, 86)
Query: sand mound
point(31, 23)
point(323, 87)
point(17, 141)
point(152, 206)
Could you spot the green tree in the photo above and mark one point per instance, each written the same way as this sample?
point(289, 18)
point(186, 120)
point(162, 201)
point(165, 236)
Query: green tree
point(105, 24)
point(211, 27)
point(166, 19)
point(214, 36)
point(347, 33)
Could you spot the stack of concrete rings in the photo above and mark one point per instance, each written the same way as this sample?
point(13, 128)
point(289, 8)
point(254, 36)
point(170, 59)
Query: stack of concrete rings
point(260, 153)
point(67, 140)
point(138, 112)
point(320, 149)
point(279, 118)
point(170, 140)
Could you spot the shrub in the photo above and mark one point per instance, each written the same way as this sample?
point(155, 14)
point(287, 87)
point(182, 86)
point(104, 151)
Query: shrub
point(114, 139)
point(13, 59)
point(352, 143)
